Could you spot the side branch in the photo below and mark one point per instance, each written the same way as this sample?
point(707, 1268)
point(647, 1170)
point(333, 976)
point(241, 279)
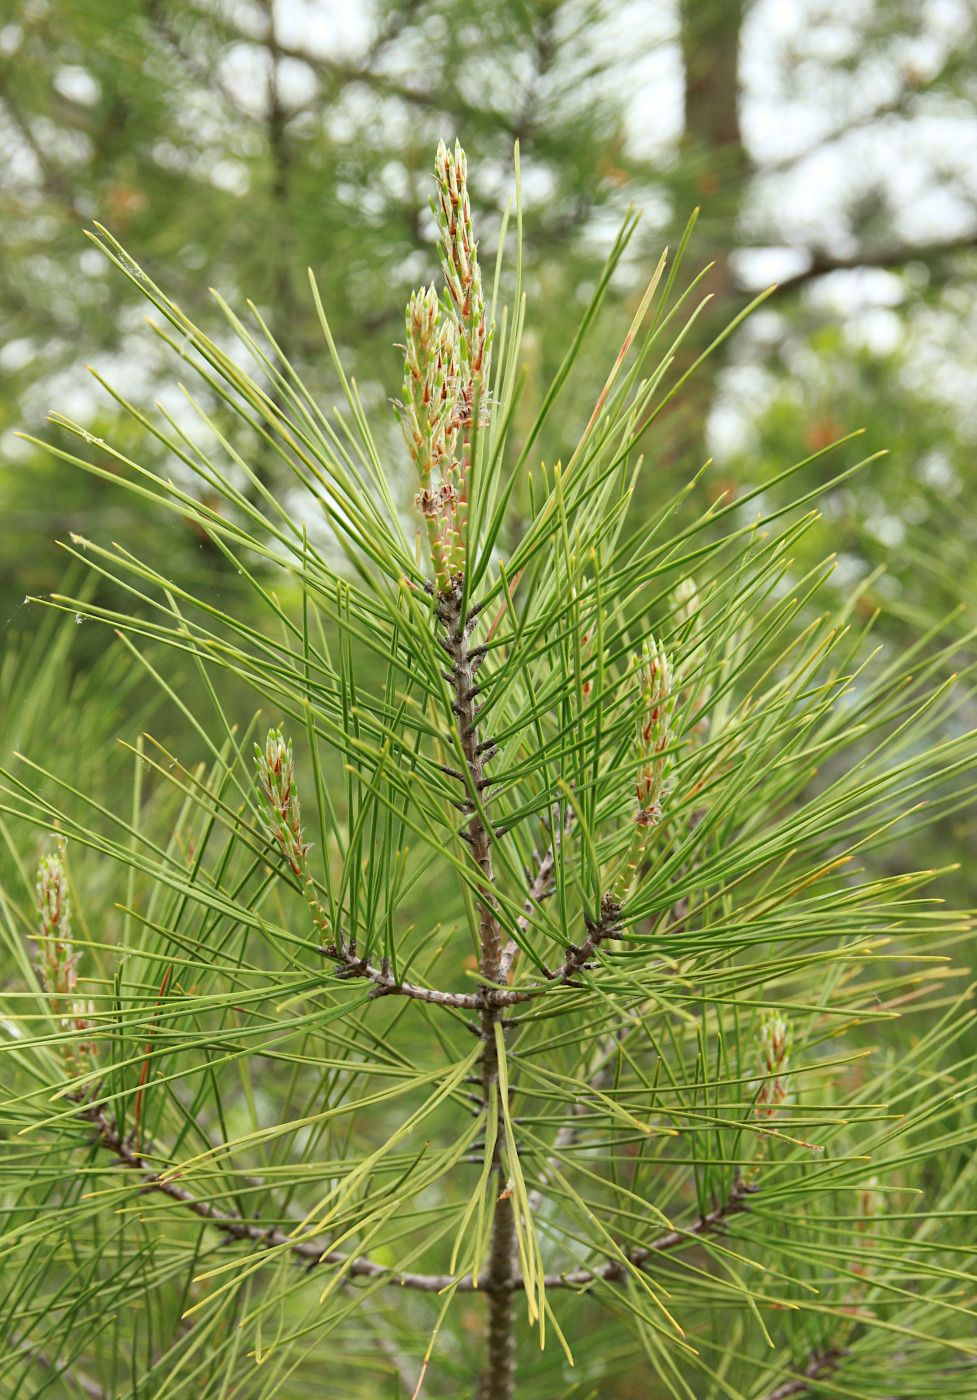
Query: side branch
point(576, 960)
point(384, 982)
point(309, 1252)
point(315, 1252)
point(616, 1271)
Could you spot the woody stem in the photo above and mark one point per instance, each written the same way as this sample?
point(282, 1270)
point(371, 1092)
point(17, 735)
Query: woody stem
point(498, 1376)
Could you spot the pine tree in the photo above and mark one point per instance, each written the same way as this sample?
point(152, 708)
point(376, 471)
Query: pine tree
point(523, 1011)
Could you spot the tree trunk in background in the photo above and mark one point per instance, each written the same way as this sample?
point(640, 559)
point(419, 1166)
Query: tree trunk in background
point(712, 144)
point(714, 174)
point(283, 310)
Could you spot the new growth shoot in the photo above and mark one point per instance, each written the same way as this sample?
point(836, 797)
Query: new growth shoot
point(774, 1046)
point(652, 749)
point(446, 366)
point(283, 816)
point(58, 964)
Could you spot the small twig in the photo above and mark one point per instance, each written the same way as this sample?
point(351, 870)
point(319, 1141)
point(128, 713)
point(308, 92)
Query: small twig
point(577, 958)
point(819, 1364)
point(895, 256)
point(62, 1368)
point(538, 891)
point(567, 1134)
point(734, 1204)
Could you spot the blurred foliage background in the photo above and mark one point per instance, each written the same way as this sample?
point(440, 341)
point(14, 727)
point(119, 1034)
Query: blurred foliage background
point(831, 148)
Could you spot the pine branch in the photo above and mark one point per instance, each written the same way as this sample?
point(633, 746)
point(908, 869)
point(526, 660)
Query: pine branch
point(316, 1252)
point(898, 106)
point(385, 984)
point(335, 76)
point(186, 54)
point(338, 76)
point(767, 697)
point(53, 182)
point(310, 1251)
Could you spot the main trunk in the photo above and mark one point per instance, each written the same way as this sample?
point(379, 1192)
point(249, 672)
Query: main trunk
point(498, 1377)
